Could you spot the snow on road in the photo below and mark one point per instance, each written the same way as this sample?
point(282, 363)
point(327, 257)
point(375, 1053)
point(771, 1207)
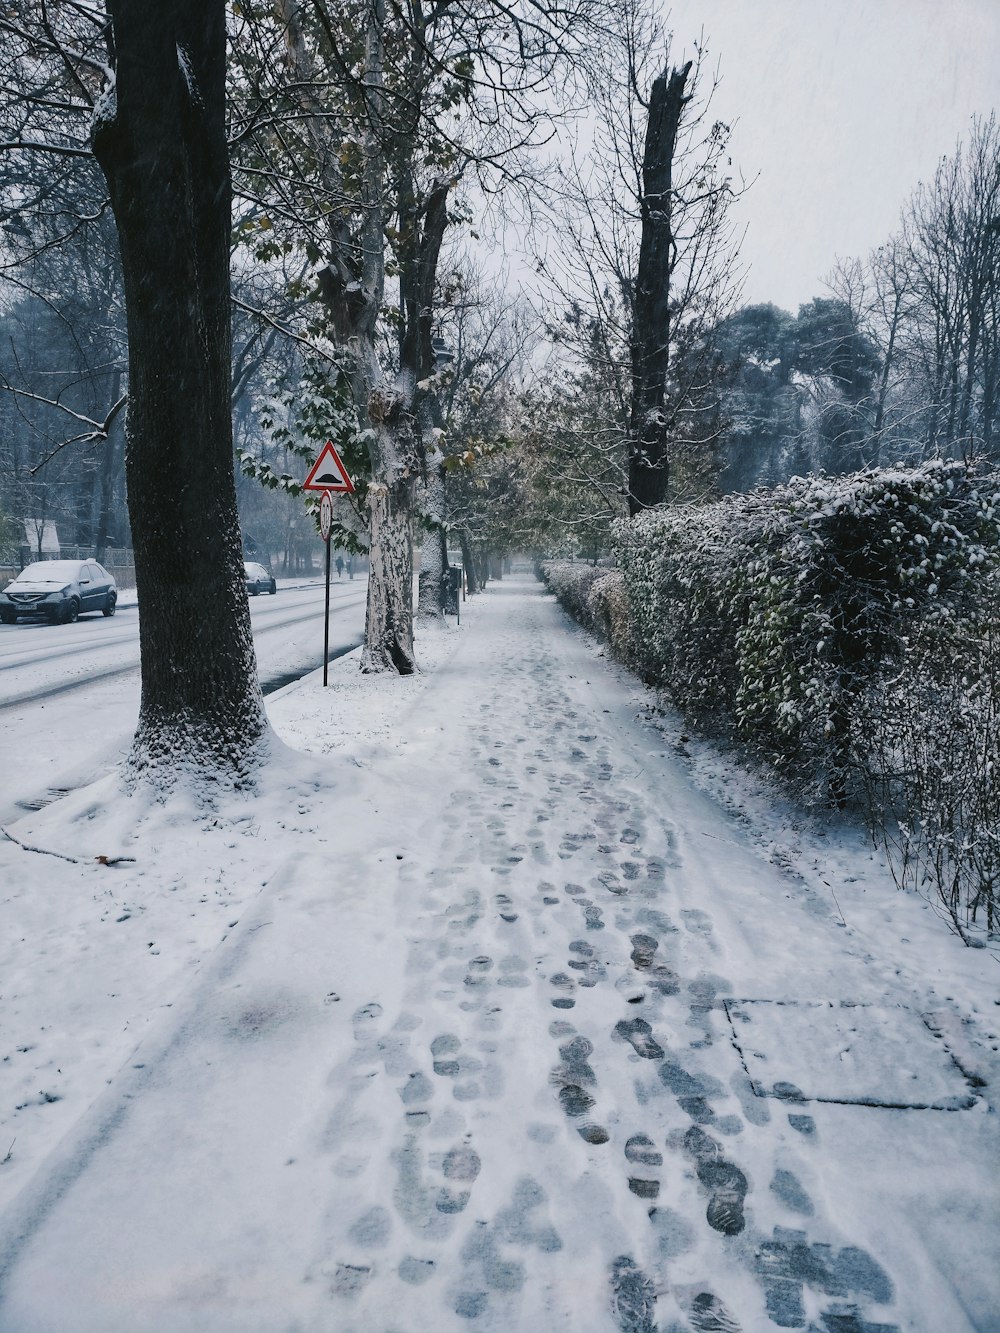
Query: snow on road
point(486, 1015)
point(61, 740)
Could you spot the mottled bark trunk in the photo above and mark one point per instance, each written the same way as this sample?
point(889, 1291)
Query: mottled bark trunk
point(389, 616)
point(432, 584)
point(162, 147)
point(469, 562)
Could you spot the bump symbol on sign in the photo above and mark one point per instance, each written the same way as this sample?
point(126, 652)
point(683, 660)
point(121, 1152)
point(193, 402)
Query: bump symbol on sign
point(328, 472)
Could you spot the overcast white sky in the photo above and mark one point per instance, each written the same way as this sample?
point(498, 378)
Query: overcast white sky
point(843, 106)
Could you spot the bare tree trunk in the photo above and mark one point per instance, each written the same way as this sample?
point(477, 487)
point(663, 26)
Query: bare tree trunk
point(389, 616)
point(648, 473)
point(433, 549)
point(469, 562)
point(161, 143)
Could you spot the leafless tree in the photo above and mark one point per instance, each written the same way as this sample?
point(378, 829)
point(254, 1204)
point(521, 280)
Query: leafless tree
point(930, 301)
point(648, 256)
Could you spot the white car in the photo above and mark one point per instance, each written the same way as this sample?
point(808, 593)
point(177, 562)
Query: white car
point(61, 590)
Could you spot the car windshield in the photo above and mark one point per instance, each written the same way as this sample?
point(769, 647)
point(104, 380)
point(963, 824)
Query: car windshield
point(50, 571)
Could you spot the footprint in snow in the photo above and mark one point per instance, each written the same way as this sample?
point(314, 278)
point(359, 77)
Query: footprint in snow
point(460, 1166)
point(787, 1263)
point(442, 1049)
point(472, 1077)
point(639, 1035)
point(476, 971)
point(633, 1296)
point(571, 1074)
point(642, 1152)
point(590, 967)
point(691, 1090)
point(787, 1187)
point(565, 985)
point(708, 1315)
point(504, 906)
point(726, 1183)
point(697, 922)
point(644, 948)
point(593, 917)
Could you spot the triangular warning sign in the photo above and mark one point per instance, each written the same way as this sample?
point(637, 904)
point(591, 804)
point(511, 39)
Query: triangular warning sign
point(328, 472)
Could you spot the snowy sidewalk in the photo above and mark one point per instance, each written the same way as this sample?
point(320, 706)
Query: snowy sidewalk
point(476, 1052)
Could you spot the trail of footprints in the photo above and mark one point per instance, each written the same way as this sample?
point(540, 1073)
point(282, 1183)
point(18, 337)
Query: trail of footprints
point(786, 1264)
point(434, 1188)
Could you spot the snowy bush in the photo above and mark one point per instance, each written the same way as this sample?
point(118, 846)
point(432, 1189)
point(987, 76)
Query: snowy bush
point(609, 614)
point(931, 765)
point(571, 583)
point(775, 608)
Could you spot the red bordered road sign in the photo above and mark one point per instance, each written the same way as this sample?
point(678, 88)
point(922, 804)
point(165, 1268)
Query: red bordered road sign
point(325, 516)
point(328, 472)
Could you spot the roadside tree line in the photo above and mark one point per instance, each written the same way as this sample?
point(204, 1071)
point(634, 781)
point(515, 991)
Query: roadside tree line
point(303, 163)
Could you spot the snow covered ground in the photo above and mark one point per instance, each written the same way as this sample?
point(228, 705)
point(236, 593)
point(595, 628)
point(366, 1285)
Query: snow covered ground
point(499, 1006)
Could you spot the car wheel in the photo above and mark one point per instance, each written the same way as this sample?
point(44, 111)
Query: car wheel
point(252, 589)
point(72, 611)
point(7, 617)
point(273, 588)
point(109, 608)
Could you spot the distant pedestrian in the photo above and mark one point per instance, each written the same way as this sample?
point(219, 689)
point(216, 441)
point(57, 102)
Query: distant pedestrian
point(340, 566)
point(350, 567)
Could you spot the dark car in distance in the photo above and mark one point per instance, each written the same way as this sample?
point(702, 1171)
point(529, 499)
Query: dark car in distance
point(60, 590)
point(258, 579)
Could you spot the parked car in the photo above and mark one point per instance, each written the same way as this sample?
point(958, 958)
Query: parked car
point(258, 579)
point(60, 590)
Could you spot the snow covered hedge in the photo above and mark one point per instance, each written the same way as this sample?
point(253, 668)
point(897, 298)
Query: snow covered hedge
point(571, 582)
point(779, 607)
point(846, 628)
point(596, 597)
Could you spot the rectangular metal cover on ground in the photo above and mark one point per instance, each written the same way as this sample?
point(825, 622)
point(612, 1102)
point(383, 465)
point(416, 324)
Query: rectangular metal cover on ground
point(833, 1051)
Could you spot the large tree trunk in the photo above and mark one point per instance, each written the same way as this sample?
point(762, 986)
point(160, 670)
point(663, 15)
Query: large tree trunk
point(389, 617)
point(649, 460)
point(160, 140)
point(469, 563)
point(389, 611)
point(433, 581)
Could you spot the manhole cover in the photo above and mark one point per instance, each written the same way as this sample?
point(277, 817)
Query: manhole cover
point(827, 1051)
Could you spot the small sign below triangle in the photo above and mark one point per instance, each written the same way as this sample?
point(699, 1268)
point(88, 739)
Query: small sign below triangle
point(328, 472)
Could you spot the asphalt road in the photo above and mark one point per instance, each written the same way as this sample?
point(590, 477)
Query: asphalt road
point(39, 660)
point(84, 679)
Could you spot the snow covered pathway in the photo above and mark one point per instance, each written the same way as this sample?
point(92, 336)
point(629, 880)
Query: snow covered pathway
point(476, 1055)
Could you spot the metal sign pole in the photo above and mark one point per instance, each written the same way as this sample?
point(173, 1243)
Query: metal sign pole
point(325, 517)
point(326, 616)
